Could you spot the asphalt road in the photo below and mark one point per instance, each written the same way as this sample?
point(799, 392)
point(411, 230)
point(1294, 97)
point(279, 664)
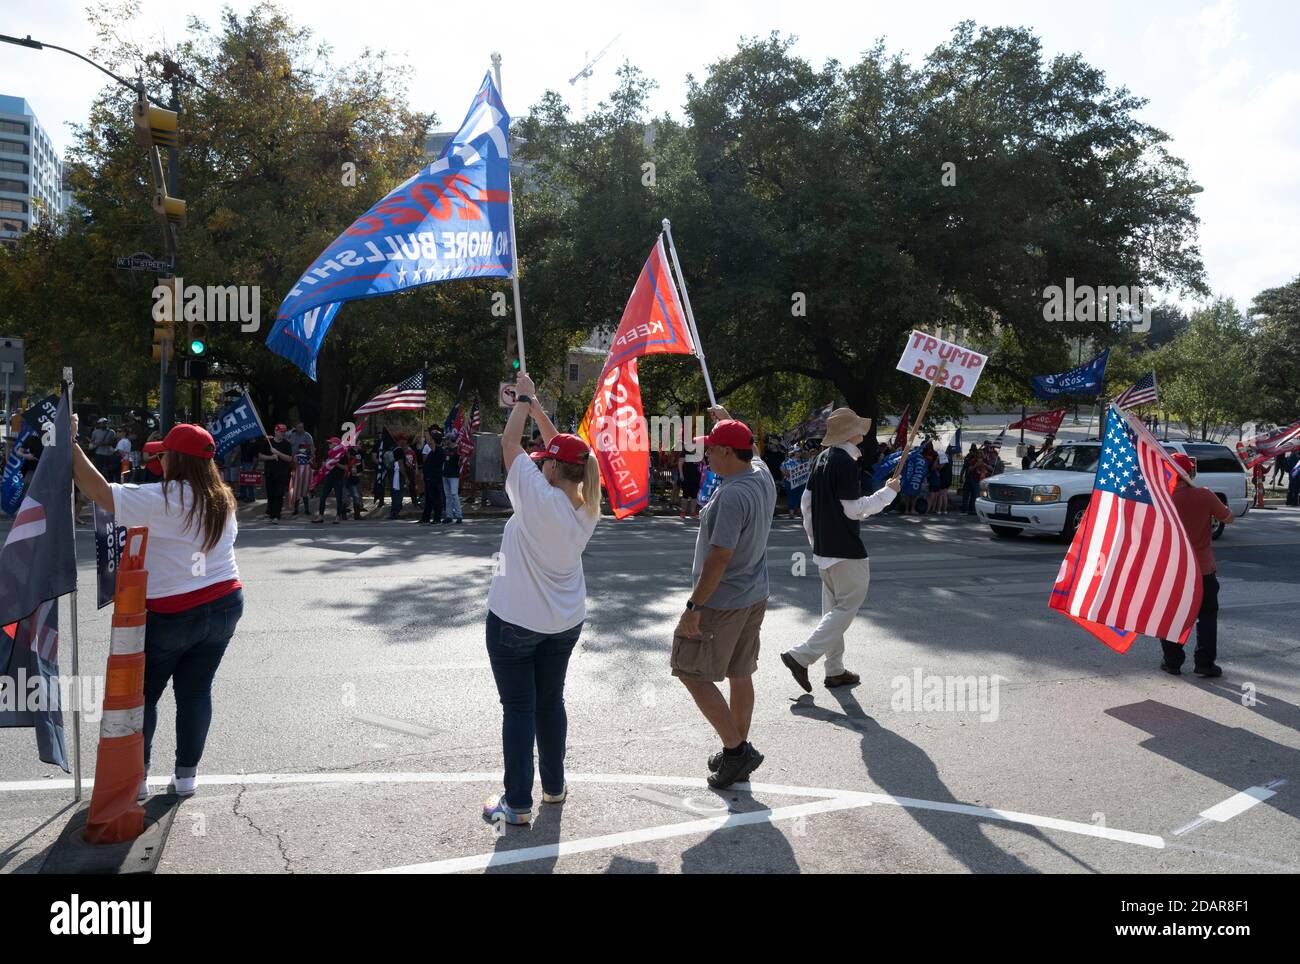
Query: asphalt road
point(357, 724)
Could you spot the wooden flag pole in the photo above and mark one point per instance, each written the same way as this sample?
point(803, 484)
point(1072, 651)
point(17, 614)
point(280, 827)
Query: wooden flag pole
point(690, 315)
point(514, 249)
point(916, 426)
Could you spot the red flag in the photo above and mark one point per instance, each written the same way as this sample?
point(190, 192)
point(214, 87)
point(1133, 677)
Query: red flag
point(1131, 569)
point(1261, 448)
point(1045, 423)
point(614, 426)
point(900, 437)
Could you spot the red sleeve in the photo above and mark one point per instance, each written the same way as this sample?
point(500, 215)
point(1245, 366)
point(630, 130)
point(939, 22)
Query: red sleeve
point(1214, 505)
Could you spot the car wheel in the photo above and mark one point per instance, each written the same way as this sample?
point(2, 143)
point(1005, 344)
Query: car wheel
point(1005, 532)
point(1216, 528)
point(1074, 514)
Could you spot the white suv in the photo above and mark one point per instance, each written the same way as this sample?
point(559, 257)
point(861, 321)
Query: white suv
point(1051, 497)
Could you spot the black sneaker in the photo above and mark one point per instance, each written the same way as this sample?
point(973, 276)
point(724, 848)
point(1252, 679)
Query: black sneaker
point(736, 769)
point(1209, 672)
point(715, 761)
point(1171, 669)
point(800, 673)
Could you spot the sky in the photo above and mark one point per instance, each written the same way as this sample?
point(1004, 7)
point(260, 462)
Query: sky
point(1222, 77)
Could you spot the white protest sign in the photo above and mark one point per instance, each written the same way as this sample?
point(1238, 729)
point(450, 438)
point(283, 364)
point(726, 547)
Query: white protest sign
point(961, 367)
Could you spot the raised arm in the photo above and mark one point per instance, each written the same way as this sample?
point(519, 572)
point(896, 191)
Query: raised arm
point(92, 485)
point(514, 430)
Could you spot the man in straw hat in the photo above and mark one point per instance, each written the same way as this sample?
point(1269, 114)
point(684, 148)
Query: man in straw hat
point(833, 509)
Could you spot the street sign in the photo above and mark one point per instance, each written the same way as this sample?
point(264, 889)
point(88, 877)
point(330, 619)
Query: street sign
point(146, 262)
point(506, 395)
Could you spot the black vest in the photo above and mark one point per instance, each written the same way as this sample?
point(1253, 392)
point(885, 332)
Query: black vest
point(834, 477)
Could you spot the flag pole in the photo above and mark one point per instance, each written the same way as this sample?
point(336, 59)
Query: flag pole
point(916, 425)
point(690, 315)
point(76, 668)
point(514, 249)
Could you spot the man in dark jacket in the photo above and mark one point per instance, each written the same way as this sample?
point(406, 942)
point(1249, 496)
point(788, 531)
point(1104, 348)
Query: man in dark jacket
point(431, 466)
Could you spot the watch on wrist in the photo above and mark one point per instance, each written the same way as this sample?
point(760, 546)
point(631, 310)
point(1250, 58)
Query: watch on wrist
point(524, 399)
point(690, 605)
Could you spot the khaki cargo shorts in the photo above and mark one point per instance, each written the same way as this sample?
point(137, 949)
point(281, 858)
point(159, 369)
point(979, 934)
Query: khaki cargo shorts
point(727, 646)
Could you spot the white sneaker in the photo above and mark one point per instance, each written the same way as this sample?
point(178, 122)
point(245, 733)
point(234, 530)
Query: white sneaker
point(182, 786)
point(558, 797)
point(142, 794)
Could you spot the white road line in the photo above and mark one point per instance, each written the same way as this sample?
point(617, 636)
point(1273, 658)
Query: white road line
point(628, 838)
point(854, 798)
point(400, 726)
point(1234, 806)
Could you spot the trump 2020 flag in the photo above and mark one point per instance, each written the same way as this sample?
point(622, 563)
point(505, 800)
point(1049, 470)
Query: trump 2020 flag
point(1084, 380)
point(37, 566)
point(237, 422)
point(614, 425)
point(1131, 569)
point(451, 220)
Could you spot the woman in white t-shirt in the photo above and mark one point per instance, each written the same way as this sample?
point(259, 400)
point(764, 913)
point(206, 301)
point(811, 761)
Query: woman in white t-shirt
point(538, 602)
point(194, 599)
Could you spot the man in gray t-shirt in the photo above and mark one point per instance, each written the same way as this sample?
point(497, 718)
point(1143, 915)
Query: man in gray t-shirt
point(718, 635)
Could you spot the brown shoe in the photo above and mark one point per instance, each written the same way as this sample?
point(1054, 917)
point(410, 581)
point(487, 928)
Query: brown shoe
point(798, 671)
point(843, 679)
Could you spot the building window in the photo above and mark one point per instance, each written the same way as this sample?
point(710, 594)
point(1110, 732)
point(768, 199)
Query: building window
point(15, 187)
point(9, 147)
point(15, 226)
point(17, 167)
point(6, 204)
point(573, 373)
point(14, 127)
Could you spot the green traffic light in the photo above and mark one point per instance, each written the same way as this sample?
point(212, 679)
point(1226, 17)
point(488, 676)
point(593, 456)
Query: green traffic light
point(514, 363)
point(197, 347)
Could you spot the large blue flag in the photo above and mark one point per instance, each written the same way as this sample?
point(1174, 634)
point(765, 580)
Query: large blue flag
point(451, 220)
point(37, 566)
point(1084, 380)
point(236, 423)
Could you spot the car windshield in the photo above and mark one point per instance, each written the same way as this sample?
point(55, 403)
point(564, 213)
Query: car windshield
point(1070, 458)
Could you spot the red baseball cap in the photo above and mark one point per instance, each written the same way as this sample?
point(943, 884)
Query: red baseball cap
point(730, 433)
point(1184, 462)
point(568, 448)
point(192, 440)
point(539, 456)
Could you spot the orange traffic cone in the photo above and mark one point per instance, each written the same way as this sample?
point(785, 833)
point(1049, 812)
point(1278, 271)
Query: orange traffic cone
point(115, 815)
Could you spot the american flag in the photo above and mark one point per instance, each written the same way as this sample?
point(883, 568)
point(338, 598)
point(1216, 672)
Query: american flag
point(1130, 570)
point(408, 394)
point(1143, 392)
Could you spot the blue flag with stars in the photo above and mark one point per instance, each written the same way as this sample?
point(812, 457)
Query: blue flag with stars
point(451, 220)
point(1118, 471)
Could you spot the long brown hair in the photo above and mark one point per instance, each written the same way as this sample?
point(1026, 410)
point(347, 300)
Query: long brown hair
point(213, 502)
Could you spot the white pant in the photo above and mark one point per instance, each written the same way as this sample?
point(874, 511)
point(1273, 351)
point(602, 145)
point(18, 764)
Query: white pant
point(844, 589)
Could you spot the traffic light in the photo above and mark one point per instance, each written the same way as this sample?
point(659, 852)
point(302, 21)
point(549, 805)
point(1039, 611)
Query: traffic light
point(198, 337)
point(512, 354)
point(164, 321)
point(155, 126)
point(170, 210)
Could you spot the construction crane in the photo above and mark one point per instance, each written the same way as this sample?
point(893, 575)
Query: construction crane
point(585, 73)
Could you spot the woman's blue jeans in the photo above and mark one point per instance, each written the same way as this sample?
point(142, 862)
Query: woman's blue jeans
point(186, 648)
point(530, 668)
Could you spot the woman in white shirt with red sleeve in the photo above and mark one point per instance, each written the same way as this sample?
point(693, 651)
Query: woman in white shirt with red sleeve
point(194, 599)
point(538, 602)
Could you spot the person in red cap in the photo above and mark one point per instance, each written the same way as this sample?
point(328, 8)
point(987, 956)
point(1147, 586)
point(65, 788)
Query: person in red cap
point(538, 601)
point(194, 598)
point(717, 636)
point(153, 461)
point(1198, 508)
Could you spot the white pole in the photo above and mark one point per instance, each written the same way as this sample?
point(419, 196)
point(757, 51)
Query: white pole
point(514, 249)
point(690, 315)
point(76, 670)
